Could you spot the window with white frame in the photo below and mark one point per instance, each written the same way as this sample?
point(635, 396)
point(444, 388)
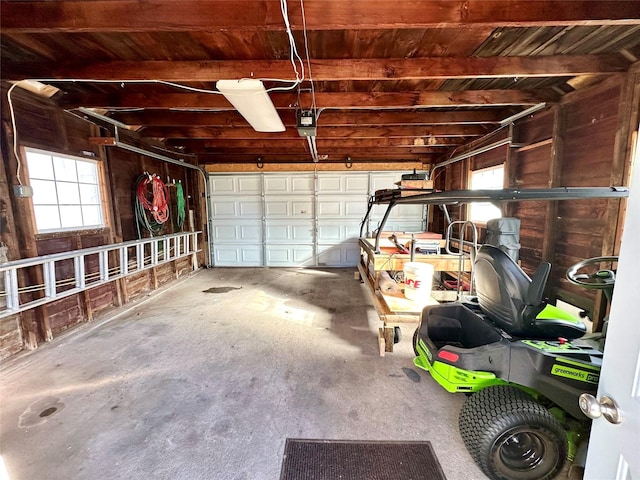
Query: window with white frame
point(491, 178)
point(66, 191)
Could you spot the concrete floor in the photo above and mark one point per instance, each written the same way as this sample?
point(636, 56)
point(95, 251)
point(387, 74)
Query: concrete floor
point(207, 379)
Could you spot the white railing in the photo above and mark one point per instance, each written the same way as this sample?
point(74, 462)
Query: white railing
point(48, 278)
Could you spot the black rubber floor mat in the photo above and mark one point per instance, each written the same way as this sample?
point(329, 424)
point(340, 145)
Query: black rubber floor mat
point(357, 460)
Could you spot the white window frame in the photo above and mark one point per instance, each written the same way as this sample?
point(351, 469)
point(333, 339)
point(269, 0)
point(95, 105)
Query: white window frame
point(83, 207)
point(481, 212)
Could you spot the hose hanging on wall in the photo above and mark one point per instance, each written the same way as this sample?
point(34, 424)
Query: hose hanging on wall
point(180, 205)
point(154, 202)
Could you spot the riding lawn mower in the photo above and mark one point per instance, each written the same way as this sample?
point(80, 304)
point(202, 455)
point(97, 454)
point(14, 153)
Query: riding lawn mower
point(523, 364)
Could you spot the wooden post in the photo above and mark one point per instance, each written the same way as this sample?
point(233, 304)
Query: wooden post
point(25, 234)
point(555, 172)
point(628, 114)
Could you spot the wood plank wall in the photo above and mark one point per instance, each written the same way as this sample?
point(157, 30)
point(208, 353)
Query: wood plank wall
point(580, 142)
point(41, 124)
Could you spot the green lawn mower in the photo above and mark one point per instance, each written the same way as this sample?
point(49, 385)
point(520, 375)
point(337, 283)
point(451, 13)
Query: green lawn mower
point(522, 363)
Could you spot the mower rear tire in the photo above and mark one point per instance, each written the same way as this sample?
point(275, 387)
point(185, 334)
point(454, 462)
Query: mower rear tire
point(511, 436)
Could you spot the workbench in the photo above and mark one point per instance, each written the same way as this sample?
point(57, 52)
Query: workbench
point(394, 308)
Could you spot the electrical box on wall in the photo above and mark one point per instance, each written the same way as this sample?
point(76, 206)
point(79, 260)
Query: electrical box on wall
point(306, 123)
point(22, 191)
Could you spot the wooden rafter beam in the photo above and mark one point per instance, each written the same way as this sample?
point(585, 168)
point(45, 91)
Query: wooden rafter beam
point(350, 100)
point(202, 146)
point(155, 118)
point(346, 151)
point(306, 157)
point(332, 70)
point(326, 132)
point(165, 15)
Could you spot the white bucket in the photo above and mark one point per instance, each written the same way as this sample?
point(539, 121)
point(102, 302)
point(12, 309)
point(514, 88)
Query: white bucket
point(418, 279)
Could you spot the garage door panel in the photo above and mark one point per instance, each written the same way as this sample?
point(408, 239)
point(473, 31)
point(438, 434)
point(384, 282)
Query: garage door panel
point(234, 208)
point(384, 180)
point(288, 184)
point(332, 232)
point(236, 184)
point(271, 218)
point(289, 232)
point(337, 207)
point(236, 256)
point(288, 207)
point(235, 232)
point(288, 255)
point(341, 184)
point(340, 255)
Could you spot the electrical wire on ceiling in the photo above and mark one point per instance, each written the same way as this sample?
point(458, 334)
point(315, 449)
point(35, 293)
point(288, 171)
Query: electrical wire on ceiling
point(16, 153)
point(306, 49)
point(293, 56)
point(312, 139)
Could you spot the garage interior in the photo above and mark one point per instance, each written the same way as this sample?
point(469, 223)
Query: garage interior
point(190, 338)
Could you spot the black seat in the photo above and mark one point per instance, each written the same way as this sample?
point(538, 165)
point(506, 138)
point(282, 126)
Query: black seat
point(513, 301)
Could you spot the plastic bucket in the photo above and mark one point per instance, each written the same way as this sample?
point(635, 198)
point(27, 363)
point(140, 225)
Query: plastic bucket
point(418, 279)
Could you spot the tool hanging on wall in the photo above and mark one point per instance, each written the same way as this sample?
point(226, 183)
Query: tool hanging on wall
point(154, 202)
point(180, 205)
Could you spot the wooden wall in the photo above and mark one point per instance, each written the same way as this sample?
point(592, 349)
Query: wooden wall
point(584, 141)
point(41, 124)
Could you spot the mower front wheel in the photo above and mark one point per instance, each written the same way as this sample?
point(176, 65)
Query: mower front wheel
point(511, 436)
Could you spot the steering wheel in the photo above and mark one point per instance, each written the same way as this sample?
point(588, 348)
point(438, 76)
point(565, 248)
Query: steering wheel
point(600, 280)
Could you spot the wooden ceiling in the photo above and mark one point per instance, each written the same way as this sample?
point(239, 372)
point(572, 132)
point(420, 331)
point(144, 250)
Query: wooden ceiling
point(394, 80)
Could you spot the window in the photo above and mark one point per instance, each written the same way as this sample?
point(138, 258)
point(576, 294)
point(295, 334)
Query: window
point(491, 178)
point(66, 191)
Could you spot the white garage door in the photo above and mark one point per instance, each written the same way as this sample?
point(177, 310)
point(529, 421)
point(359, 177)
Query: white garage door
point(298, 219)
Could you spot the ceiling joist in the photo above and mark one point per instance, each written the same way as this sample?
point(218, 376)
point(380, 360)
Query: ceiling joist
point(326, 132)
point(327, 118)
point(335, 70)
point(209, 15)
point(341, 100)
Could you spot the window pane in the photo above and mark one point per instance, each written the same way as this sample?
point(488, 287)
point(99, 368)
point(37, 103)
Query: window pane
point(89, 194)
point(87, 172)
point(68, 193)
point(68, 197)
point(47, 218)
point(70, 216)
point(44, 192)
point(92, 215)
point(39, 165)
point(65, 169)
point(486, 179)
point(482, 212)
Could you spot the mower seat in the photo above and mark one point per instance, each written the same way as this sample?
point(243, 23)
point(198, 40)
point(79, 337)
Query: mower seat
point(515, 303)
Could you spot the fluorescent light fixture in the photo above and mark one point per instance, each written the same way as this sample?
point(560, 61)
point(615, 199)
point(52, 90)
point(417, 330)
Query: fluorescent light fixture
point(252, 101)
point(38, 88)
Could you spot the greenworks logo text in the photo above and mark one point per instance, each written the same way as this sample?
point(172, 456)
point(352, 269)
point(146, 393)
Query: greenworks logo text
point(574, 373)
